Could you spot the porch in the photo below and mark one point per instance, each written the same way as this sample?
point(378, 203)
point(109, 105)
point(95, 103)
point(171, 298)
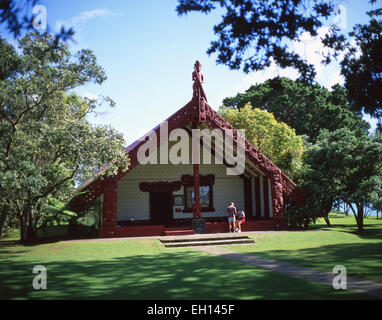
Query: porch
point(212, 225)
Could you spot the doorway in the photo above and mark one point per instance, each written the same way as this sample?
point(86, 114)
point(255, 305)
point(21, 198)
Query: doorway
point(161, 207)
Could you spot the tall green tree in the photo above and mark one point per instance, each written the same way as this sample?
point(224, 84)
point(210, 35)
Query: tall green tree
point(345, 166)
point(46, 141)
point(306, 108)
point(275, 139)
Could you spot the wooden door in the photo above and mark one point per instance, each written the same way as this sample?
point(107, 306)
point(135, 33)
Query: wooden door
point(161, 207)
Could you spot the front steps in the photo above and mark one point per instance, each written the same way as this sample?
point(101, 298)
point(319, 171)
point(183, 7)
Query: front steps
point(178, 232)
point(206, 240)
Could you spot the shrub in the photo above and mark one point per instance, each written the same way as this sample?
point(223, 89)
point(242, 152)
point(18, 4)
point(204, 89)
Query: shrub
point(299, 217)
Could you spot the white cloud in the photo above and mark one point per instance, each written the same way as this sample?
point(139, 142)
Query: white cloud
point(335, 78)
point(311, 48)
point(77, 21)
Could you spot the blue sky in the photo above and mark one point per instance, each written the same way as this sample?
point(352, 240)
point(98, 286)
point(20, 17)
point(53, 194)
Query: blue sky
point(148, 53)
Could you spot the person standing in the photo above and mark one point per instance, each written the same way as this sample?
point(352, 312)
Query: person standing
point(231, 212)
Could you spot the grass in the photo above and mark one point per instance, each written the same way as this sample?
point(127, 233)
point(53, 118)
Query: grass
point(325, 247)
point(144, 269)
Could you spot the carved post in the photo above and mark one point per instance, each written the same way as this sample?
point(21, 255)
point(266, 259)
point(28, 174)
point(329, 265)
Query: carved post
point(196, 207)
point(279, 219)
point(110, 197)
point(199, 95)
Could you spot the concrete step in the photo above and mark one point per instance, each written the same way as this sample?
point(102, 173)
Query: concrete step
point(200, 237)
point(178, 232)
point(208, 242)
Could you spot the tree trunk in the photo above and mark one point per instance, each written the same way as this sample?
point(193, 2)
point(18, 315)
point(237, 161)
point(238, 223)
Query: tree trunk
point(359, 217)
point(326, 217)
point(28, 231)
point(326, 210)
point(346, 209)
point(3, 216)
point(22, 229)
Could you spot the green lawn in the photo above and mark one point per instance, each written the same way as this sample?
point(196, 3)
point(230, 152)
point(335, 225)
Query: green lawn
point(144, 269)
point(325, 247)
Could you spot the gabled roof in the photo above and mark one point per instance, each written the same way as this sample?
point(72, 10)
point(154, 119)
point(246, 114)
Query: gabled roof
point(196, 112)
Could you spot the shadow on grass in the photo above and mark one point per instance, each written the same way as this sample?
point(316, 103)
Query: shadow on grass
point(363, 260)
point(174, 275)
point(370, 232)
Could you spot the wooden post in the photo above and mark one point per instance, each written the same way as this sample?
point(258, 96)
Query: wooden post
point(196, 207)
point(279, 220)
point(110, 198)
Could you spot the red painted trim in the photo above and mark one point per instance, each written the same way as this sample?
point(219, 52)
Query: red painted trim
point(110, 199)
point(277, 192)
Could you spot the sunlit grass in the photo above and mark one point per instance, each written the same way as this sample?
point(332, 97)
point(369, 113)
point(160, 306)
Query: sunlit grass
point(324, 247)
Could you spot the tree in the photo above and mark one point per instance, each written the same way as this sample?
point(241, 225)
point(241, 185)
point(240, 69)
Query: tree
point(306, 108)
point(254, 31)
point(376, 196)
point(345, 166)
point(316, 183)
point(46, 141)
point(362, 66)
point(275, 139)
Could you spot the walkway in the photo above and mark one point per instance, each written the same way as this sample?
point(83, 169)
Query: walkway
point(356, 284)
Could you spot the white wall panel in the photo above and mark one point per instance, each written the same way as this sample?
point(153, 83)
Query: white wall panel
point(132, 202)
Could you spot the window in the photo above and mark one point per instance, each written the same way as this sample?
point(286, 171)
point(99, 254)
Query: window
point(178, 200)
point(205, 191)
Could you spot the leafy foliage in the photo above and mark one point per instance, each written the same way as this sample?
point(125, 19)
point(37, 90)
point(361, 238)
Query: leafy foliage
point(376, 195)
point(275, 139)
point(54, 212)
point(344, 166)
point(46, 141)
point(299, 217)
point(306, 108)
